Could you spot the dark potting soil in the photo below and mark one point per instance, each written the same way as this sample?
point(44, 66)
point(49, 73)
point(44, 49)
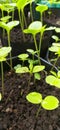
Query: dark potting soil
point(16, 113)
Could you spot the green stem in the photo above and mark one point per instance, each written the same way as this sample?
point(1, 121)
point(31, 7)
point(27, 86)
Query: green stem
point(41, 18)
point(36, 48)
point(2, 79)
point(13, 15)
point(38, 111)
point(54, 63)
point(31, 11)
point(24, 19)
point(10, 52)
point(40, 44)
point(20, 19)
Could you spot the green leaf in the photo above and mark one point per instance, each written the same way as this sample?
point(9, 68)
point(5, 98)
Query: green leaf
point(54, 73)
point(38, 68)
point(37, 76)
point(22, 70)
point(17, 66)
point(50, 103)
point(4, 52)
point(34, 28)
point(5, 19)
point(52, 80)
point(57, 30)
point(34, 97)
point(41, 8)
point(58, 74)
point(55, 38)
point(31, 51)
point(23, 57)
point(9, 26)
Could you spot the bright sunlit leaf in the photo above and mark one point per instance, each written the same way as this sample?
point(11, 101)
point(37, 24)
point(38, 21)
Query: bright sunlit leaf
point(34, 97)
point(50, 103)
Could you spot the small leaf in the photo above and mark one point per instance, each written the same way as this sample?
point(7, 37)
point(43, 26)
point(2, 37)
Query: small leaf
point(55, 38)
point(38, 68)
point(37, 76)
point(54, 73)
point(58, 74)
point(23, 56)
point(57, 30)
point(34, 28)
point(17, 66)
point(50, 103)
point(50, 79)
point(22, 70)
point(34, 97)
point(41, 8)
point(4, 52)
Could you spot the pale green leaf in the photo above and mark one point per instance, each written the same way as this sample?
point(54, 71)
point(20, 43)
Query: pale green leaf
point(23, 56)
point(34, 97)
point(38, 68)
point(22, 70)
point(37, 76)
point(41, 8)
point(50, 103)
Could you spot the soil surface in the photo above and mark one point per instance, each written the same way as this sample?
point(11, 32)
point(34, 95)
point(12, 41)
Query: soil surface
point(16, 113)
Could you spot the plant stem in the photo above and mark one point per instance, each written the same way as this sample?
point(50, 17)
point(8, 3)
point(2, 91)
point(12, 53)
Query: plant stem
point(40, 44)
point(54, 63)
point(10, 52)
point(38, 111)
point(2, 79)
point(31, 11)
point(36, 48)
point(21, 24)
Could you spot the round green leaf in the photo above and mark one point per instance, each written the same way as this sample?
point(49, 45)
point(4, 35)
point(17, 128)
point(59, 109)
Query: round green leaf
point(41, 8)
point(22, 70)
point(50, 103)
point(34, 97)
point(34, 28)
point(4, 52)
point(23, 56)
point(50, 79)
point(38, 68)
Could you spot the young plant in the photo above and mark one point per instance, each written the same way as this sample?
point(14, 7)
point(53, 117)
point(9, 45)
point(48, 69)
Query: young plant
point(53, 79)
point(8, 27)
point(4, 51)
point(41, 9)
point(20, 6)
point(50, 102)
point(55, 48)
point(31, 69)
point(34, 28)
point(23, 58)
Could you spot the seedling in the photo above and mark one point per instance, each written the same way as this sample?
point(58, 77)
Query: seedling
point(54, 79)
point(3, 54)
point(23, 57)
point(20, 6)
point(55, 48)
point(8, 27)
point(50, 102)
point(41, 9)
point(34, 28)
point(31, 69)
point(32, 52)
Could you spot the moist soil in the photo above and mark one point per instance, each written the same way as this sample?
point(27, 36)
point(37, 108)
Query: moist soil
point(16, 113)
